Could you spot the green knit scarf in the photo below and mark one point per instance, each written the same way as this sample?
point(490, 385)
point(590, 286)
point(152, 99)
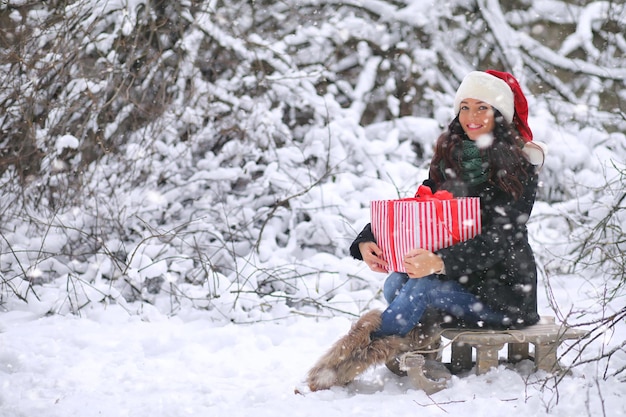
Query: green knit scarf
point(474, 172)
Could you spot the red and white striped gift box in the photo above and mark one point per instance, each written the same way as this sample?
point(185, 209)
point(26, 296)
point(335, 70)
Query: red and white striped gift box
point(431, 222)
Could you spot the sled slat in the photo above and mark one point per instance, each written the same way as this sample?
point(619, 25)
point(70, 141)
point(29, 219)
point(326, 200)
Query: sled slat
point(546, 336)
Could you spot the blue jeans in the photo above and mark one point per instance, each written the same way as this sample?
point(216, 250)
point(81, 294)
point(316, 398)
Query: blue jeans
point(408, 298)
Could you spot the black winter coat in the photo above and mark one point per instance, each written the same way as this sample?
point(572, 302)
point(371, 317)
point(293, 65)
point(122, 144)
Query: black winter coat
point(498, 265)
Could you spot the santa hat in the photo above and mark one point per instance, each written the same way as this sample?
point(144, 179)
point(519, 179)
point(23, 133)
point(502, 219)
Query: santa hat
point(500, 90)
point(520, 117)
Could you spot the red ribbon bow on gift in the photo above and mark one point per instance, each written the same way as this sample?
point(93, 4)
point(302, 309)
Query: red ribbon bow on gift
point(424, 192)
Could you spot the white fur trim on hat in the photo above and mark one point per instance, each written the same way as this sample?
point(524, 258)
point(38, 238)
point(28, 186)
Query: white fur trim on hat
point(536, 152)
point(488, 88)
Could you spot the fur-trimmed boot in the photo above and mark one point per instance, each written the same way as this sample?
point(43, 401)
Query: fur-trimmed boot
point(353, 354)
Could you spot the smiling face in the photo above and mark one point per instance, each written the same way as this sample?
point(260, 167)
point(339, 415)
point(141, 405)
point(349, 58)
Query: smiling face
point(476, 117)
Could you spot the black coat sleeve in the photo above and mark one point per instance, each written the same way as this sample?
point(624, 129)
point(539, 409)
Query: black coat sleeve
point(366, 235)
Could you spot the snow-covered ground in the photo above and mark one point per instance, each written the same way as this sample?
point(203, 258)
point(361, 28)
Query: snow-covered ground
point(110, 363)
point(148, 299)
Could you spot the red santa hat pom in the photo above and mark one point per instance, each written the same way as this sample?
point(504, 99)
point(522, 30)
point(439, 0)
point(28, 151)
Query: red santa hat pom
point(489, 89)
point(520, 117)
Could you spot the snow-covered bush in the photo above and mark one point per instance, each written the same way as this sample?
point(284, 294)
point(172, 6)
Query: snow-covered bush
point(222, 155)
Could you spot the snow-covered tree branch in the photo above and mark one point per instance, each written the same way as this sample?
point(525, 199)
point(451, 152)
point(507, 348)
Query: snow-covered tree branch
point(223, 154)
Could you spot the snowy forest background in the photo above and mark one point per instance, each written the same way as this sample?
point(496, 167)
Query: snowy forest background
point(221, 156)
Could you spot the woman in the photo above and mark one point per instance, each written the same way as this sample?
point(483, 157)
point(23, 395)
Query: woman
point(487, 281)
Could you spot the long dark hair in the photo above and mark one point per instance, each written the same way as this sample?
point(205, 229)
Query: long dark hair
point(507, 163)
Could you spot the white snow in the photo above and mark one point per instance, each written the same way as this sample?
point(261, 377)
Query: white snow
point(66, 141)
point(110, 363)
point(209, 344)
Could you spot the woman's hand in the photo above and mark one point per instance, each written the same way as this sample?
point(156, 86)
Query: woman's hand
point(421, 262)
point(372, 256)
